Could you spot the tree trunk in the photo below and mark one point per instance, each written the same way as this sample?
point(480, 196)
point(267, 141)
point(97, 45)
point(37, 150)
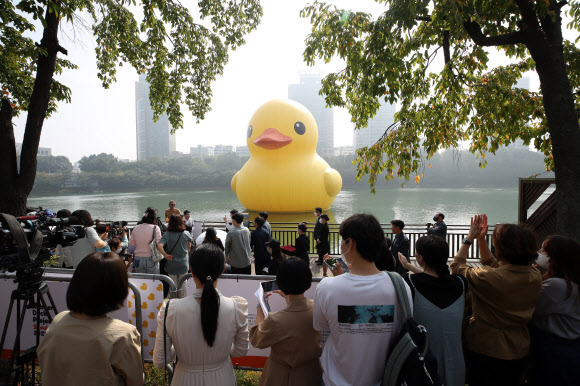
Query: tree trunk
point(563, 126)
point(17, 184)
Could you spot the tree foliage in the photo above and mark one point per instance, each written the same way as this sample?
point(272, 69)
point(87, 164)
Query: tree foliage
point(54, 164)
point(180, 55)
point(390, 59)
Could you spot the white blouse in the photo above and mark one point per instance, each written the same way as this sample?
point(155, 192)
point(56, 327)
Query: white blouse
point(199, 364)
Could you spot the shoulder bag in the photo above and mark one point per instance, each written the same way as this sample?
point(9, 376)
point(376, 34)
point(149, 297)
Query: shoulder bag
point(156, 256)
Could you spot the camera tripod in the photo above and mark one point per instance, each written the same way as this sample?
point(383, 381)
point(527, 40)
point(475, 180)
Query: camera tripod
point(23, 365)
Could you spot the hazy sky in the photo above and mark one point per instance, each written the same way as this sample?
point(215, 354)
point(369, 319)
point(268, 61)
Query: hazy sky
point(99, 120)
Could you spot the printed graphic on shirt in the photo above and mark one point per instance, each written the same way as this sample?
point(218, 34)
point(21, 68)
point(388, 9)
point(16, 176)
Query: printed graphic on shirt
point(366, 319)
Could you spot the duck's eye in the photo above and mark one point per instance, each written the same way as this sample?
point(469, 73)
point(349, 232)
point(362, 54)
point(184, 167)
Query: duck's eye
point(250, 129)
point(299, 128)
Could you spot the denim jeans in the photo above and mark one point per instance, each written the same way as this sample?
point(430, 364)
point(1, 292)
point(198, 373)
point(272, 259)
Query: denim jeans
point(145, 265)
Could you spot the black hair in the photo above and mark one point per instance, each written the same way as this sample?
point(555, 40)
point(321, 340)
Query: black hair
point(210, 234)
point(274, 244)
point(318, 209)
point(302, 227)
point(442, 216)
point(294, 276)
point(564, 254)
point(186, 212)
point(207, 264)
point(385, 261)
point(324, 216)
point(264, 215)
point(99, 285)
point(150, 216)
point(435, 252)
point(238, 217)
point(259, 221)
point(100, 229)
point(366, 230)
point(398, 223)
point(233, 211)
point(63, 213)
point(81, 217)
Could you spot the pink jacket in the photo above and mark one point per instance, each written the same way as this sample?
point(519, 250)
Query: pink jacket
point(141, 237)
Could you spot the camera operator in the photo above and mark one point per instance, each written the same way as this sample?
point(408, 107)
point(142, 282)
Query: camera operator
point(439, 228)
point(87, 245)
point(64, 253)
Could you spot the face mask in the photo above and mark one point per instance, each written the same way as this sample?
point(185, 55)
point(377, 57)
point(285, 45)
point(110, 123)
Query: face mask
point(435, 218)
point(316, 214)
point(543, 260)
point(119, 250)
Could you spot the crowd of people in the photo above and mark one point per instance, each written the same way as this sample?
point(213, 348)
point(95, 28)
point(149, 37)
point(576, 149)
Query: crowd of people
point(516, 317)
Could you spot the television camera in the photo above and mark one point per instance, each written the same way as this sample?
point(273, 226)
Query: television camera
point(25, 244)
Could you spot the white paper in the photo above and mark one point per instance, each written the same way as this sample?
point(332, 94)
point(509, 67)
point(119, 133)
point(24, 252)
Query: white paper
point(262, 300)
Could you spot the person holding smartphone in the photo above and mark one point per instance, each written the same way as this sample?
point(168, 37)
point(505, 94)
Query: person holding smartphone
point(295, 344)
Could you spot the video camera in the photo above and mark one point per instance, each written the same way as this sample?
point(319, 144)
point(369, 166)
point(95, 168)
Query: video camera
point(27, 240)
point(115, 228)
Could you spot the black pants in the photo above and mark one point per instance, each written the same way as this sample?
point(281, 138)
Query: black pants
point(487, 371)
point(242, 271)
point(260, 264)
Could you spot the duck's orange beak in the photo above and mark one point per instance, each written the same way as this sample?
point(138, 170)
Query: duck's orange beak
point(272, 139)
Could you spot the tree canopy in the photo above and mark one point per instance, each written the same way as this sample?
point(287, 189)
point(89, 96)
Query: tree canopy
point(54, 164)
point(390, 59)
point(180, 55)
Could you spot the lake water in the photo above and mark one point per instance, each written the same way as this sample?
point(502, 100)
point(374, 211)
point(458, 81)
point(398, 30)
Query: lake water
point(414, 206)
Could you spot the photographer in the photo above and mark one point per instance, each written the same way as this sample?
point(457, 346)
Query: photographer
point(86, 245)
point(439, 228)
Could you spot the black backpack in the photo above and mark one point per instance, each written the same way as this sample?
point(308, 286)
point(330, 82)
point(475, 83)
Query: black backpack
point(409, 361)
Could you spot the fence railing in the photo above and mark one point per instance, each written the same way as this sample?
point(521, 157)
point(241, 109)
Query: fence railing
point(286, 233)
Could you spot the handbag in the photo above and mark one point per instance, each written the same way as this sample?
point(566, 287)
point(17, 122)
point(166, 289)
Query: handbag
point(156, 256)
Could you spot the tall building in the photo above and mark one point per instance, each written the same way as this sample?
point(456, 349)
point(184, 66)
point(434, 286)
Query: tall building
point(154, 139)
point(368, 136)
point(306, 93)
point(42, 151)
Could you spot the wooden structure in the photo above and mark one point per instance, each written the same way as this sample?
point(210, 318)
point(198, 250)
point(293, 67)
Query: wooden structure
point(543, 219)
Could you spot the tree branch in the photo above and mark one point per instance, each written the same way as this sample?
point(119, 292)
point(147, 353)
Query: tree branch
point(474, 31)
point(446, 52)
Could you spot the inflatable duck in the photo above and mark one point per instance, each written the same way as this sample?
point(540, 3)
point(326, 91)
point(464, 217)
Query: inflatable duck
point(284, 172)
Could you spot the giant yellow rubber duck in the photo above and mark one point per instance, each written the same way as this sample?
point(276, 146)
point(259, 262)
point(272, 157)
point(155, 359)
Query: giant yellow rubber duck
point(284, 172)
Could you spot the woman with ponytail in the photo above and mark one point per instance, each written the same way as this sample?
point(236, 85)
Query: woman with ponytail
point(438, 304)
point(204, 330)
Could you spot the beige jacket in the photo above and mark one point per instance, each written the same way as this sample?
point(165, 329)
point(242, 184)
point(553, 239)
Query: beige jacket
point(294, 359)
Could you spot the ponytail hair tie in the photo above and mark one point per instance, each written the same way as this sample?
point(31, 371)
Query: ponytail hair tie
point(208, 278)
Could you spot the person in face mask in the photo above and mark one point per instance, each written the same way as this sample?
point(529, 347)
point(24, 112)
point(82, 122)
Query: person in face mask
point(439, 228)
point(555, 332)
point(358, 308)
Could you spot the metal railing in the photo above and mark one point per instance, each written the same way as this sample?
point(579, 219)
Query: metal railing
point(286, 233)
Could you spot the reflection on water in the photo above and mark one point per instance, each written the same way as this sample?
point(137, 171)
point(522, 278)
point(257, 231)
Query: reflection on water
point(414, 206)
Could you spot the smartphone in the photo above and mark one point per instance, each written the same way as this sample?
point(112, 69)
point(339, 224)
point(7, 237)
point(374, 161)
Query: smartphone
point(269, 286)
point(332, 264)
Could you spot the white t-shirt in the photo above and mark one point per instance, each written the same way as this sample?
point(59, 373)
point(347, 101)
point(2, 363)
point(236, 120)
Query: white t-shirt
point(361, 313)
point(84, 247)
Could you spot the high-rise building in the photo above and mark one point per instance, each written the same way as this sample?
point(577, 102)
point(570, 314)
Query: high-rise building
point(368, 136)
point(154, 139)
point(306, 93)
point(42, 151)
